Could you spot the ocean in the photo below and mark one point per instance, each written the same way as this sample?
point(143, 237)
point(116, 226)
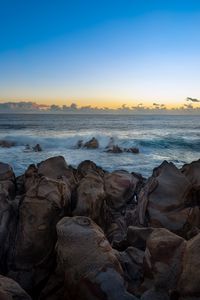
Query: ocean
point(172, 138)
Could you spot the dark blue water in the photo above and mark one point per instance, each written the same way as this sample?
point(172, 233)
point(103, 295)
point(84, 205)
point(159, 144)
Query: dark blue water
point(172, 138)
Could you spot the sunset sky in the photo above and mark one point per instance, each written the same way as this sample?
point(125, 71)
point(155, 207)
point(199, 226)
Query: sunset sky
point(100, 53)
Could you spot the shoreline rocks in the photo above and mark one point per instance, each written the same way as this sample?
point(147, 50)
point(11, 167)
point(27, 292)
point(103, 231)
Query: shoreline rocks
point(84, 233)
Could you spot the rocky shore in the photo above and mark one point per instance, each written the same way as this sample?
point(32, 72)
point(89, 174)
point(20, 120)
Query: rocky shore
point(86, 234)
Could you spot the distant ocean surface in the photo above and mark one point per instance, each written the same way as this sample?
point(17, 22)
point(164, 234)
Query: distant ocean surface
point(172, 138)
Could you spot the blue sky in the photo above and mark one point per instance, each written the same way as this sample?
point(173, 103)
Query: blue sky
point(100, 52)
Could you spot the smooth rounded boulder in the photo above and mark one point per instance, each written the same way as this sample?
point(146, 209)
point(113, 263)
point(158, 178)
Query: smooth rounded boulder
point(10, 290)
point(92, 270)
point(45, 202)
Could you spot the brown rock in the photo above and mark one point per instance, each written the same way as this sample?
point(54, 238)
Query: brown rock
point(188, 284)
point(165, 199)
point(10, 290)
point(45, 202)
point(119, 188)
point(8, 216)
point(163, 258)
point(92, 144)
point(92, 270)
point(86, 167)
point(90, 196)
point(115, 149)
point(7, 144)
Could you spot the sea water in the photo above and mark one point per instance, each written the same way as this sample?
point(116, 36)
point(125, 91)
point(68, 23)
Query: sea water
point(172, 138)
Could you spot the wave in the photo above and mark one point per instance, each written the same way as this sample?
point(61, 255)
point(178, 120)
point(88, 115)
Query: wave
point(70, 142)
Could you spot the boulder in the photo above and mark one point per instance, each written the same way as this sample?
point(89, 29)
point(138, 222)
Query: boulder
point(164, 258)
point(166, 201)
point(10, 290)
point(87, 167)
point(8, 213)
point(90, 196)
point(45, 202)
point(7, 144)
point(37, 148)
point(91, 268)
point(92, 144)
point(132, 150)
point(56, 168)
point(114, 149)
point(188, 284)
point(119, 187)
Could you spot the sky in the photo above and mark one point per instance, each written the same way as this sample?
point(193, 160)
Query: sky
point(100, 53)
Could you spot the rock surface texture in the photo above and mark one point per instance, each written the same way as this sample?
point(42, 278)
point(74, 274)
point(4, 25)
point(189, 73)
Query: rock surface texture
point(86, 234)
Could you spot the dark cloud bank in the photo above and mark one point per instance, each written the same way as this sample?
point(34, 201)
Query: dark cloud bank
point(156, 108)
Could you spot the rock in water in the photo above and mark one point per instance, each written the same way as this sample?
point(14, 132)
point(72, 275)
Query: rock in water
point(10, 290)
point(92, 144)
point(92, 270)
point(37, 148)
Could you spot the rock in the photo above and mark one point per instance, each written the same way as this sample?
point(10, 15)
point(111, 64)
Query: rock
point(115, 149)
point(45, 202)
point(132, 150)
point(79, 144)
point(7, 144)
point(137, 236)
point(188, 284)
point(155, 295)
point(119, 188)
point(37, 148)
point(92, 270)
point(163, 258)
point(10, 290)
point(90, 196)
point(86, 167)
point(166, 200)
point(56, 168)
point(8, 215)
point(132, 263)
point(92, 144)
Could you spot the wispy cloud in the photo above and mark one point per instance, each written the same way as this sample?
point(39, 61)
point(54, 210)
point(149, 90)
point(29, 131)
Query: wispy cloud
point(192, 99)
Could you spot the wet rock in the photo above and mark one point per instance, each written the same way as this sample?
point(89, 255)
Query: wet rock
point(79, 144)
point(7, 144)
point(37, 148)
point(115, 149)
point(92, 144)
point(92, 270)
point(10, 290)
point(132, 150)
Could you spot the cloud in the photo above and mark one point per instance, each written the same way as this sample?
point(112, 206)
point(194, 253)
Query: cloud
point(192, 99)
point(25, 107)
